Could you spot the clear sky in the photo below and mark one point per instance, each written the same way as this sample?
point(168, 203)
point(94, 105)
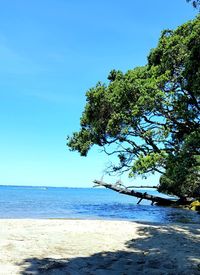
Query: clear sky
point(51, 52)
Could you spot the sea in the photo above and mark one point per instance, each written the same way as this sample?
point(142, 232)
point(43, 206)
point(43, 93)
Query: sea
point(23, 202)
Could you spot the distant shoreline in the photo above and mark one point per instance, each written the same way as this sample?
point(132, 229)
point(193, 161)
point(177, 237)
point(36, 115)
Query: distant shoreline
point(65, 187)
point(44, 186)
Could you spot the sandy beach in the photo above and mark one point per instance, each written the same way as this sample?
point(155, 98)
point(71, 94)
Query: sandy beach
point(98, 247)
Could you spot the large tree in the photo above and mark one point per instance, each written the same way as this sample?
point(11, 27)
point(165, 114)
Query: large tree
point(150, 116)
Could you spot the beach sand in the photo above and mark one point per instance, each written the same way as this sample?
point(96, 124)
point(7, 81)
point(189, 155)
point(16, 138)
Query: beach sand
point(98, 247)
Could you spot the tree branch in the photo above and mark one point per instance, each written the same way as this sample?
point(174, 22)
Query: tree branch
point(125, 191)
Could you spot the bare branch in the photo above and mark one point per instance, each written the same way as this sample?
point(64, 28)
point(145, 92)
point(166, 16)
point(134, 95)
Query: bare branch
point(125, 191)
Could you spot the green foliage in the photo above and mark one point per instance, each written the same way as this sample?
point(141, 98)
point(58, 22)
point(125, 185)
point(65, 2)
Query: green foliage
point(195, 3)
point(149, 116)
point(182, 176)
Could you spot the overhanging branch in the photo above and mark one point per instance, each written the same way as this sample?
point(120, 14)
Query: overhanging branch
point(124, 190)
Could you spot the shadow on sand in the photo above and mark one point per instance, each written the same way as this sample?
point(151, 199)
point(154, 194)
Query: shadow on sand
point(159, 249)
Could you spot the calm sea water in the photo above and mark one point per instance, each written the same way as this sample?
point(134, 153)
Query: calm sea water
point(84, 203)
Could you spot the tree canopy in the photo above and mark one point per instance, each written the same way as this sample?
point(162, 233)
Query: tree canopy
point(195, 3)
point(150, 116)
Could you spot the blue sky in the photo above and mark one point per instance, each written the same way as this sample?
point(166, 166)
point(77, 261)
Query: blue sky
point(51, 52)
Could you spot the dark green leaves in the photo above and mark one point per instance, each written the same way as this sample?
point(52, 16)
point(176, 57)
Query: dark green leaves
point(150, 116)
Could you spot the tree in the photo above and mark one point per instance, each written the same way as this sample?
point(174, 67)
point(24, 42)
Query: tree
point(150, 116)
point(196, 3)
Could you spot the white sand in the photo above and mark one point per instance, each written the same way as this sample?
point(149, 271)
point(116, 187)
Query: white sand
point(97, 247)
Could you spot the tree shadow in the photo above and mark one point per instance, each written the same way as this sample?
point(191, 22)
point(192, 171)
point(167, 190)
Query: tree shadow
point(159, 249)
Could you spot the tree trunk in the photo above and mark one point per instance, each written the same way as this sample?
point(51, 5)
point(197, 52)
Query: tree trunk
point(124, 190)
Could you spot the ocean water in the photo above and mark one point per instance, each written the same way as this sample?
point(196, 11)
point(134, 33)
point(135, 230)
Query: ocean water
point(84, 203)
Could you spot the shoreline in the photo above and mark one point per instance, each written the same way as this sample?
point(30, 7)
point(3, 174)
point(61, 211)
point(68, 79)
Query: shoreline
point(76, 246)
point(180, 221)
